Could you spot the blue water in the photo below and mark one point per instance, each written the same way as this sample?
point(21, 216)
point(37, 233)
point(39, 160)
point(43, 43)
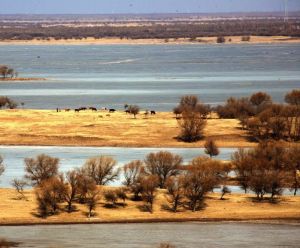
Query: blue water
point(152, 76)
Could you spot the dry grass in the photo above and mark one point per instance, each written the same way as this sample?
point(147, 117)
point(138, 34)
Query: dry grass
point(234, 207)
point(117, 41)
point(47, 127)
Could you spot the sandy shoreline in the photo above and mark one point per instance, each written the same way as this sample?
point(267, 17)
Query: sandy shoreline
point(171, 41)
point(235, 208)
point(273, 221)
point(21, 79)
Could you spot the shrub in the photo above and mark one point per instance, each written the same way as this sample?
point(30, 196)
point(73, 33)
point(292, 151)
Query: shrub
point(211, 148)
point(220, 39)
point(245, 38)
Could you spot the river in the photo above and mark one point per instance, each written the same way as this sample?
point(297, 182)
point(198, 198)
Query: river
point(182, 235)
point(151, 76)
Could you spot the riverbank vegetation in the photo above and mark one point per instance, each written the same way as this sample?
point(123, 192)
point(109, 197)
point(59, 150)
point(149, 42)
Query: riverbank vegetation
point(263, 118)
point(162, 181)
point(150, 30)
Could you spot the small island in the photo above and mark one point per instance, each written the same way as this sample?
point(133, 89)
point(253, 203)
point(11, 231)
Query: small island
point(10, 74)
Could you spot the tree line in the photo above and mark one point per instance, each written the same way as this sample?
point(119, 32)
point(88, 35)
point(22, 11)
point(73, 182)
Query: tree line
point(258, 27)
point(266, 170)
point(258, 114)
point(263, 118)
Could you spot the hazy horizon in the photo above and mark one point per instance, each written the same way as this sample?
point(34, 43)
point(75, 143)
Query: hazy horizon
point(144, 6)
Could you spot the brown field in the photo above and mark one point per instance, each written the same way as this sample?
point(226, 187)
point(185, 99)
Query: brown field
point(117, 41)
point(87, 128)
point(235, 207)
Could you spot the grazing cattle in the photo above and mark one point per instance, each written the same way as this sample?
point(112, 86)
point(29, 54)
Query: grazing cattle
point(92, 108)
point(112, 110)
point(127, 111)
point(77, 110)
point(67, 110)
point(152, 112)
point(82, 108)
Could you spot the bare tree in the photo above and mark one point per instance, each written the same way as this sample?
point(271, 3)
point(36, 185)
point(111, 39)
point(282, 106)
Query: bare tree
point(72, 188)
point(242, 168)
point(294, 168)
point(101, 169)
point(19, 185)
point(40, 168)
point(121, 193)
point(92, 198)
point(175, 191)
point(149, 185)
point(134, 109)
point(49, 194)
point(132, 172)
point(85, 185)
point(262, 169)
point(6, 102)
point(293, 97)
point(162, 164)
point(211, 148)
point(191, 126)
point(111, 197)
point(202, 176)
point(177, 111)
point(260, 101)
point(188, 102)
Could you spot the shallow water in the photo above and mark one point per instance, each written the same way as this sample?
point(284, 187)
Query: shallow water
point(71, 157)
point(152, 76)
point(183, 235)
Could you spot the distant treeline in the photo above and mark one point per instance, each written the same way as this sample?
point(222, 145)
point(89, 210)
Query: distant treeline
point(261, 27)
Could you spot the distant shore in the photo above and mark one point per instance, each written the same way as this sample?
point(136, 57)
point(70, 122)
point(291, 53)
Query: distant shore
point(235, 208)
point(171, 41)
point(21, 79)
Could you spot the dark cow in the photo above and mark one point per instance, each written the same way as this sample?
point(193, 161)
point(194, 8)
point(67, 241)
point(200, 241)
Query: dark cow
point(67, 110)
point(152, 112)
point(112, 110)
point(82, 108)
point(127, 111)
point(77, 110)
point(92, 108)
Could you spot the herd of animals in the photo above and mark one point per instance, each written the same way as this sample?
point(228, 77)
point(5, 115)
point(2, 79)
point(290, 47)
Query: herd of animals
point(111, 110)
